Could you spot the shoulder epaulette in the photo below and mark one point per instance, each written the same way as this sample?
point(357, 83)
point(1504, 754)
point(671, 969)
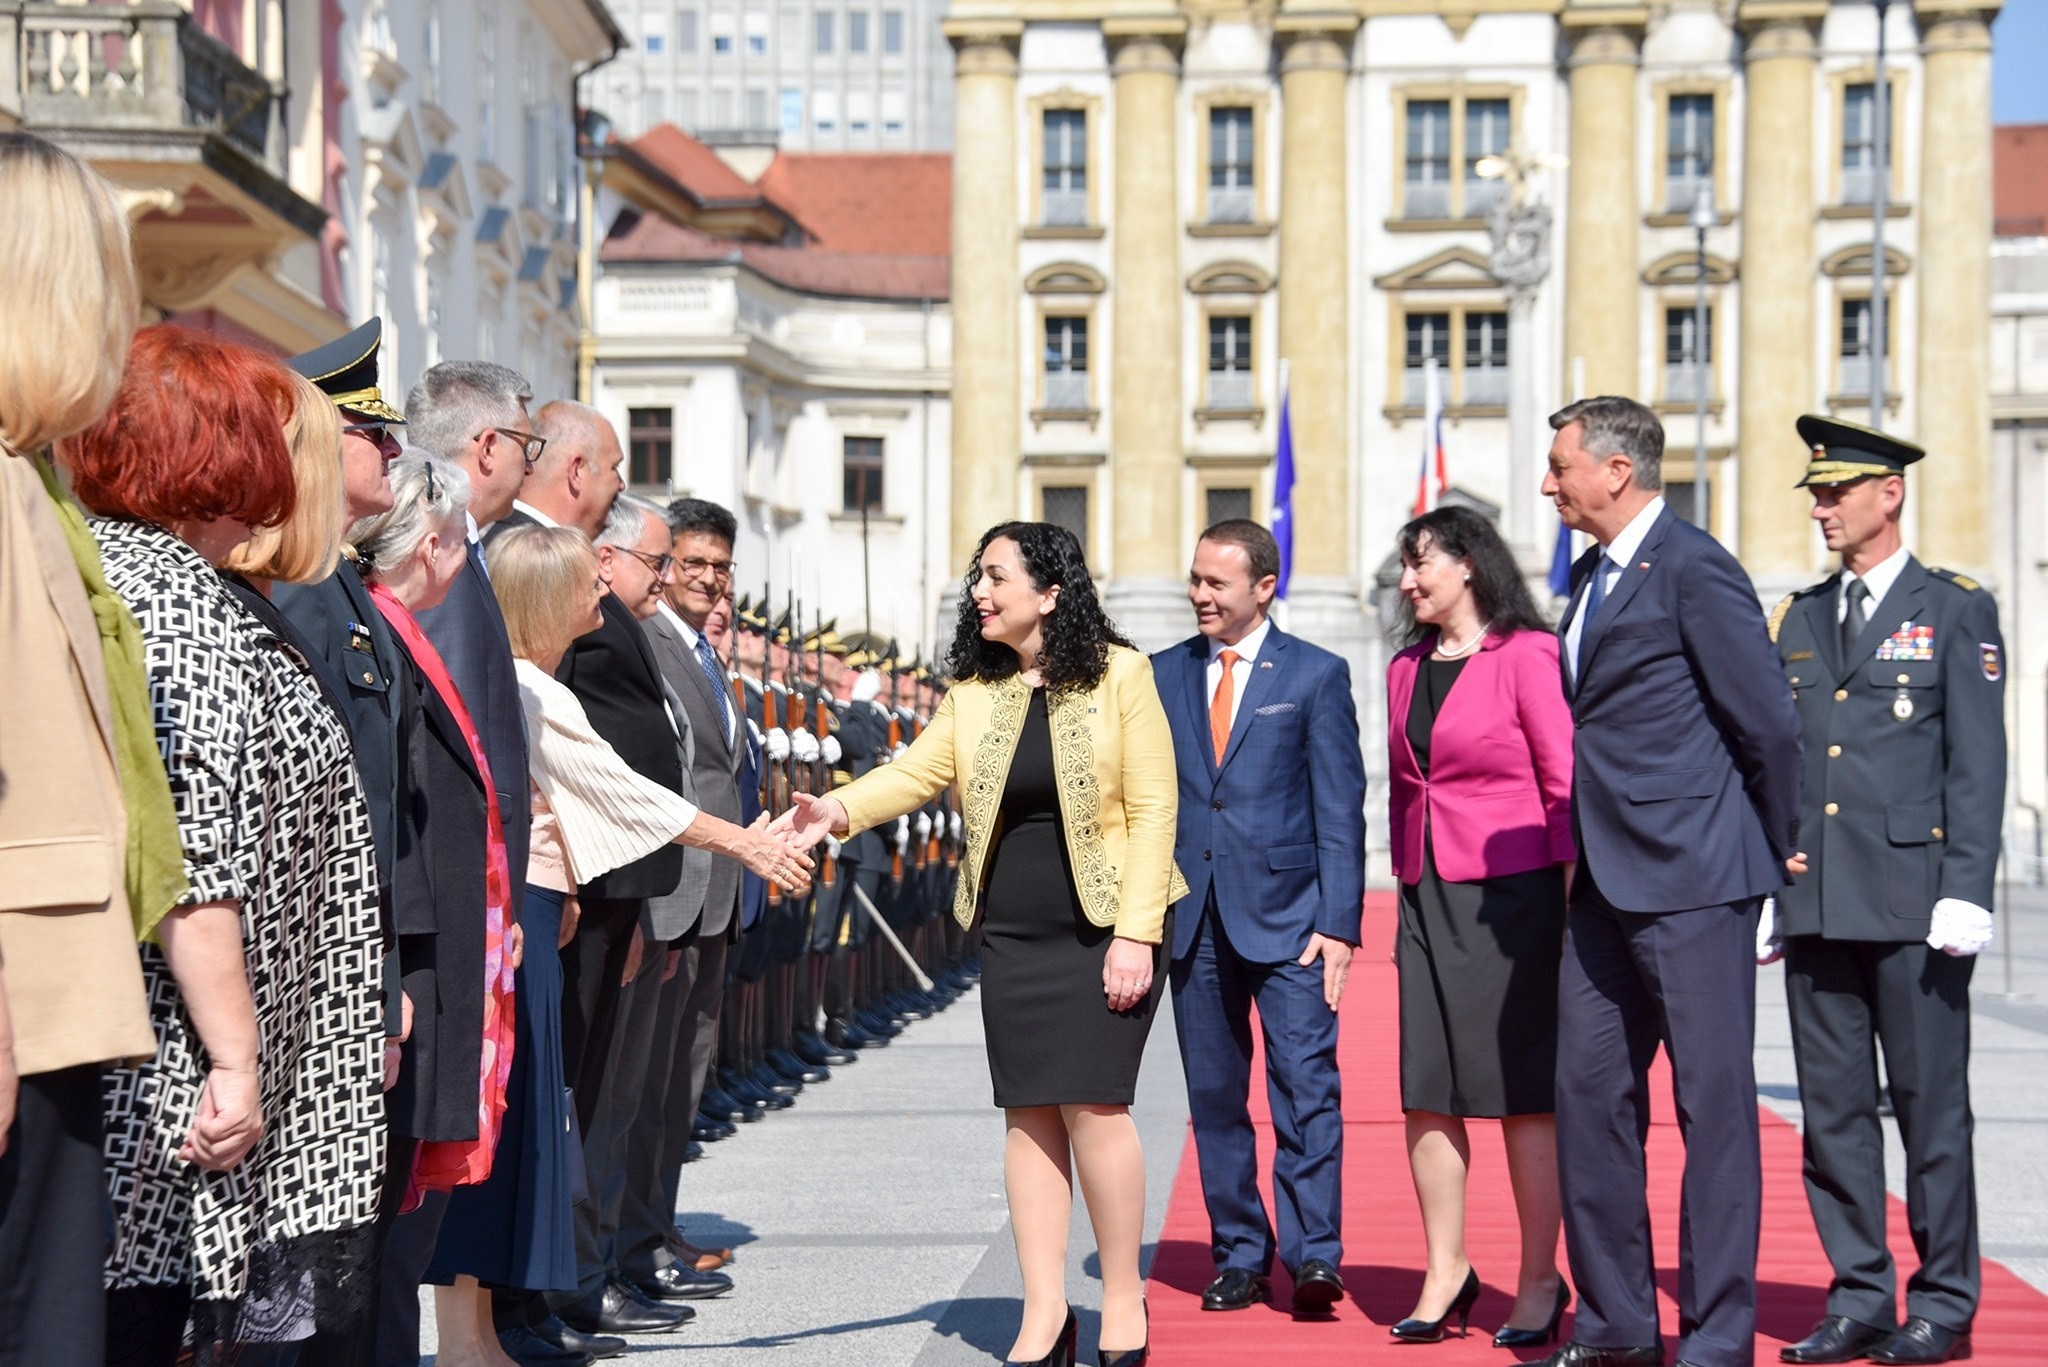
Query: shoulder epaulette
point(1961, 581)
point(1778, 616)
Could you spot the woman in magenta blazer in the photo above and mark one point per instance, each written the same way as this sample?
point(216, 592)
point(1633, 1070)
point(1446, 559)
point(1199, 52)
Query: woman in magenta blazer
point(1479, 765)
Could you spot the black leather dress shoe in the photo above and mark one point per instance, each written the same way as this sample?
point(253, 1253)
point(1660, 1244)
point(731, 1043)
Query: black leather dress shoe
point(847, 1034)
point(678, 1283)
point(551, 1342)
point(1585, 1355)
point(1237, 1289)
point(790, 1064)
point(528, 1349)
point(693, 1151)
point(1922, 1341)
point(721, 1105)
point(1317, 1287)
point(811, 1047)
point(1837, 1338)
point(610, 1310)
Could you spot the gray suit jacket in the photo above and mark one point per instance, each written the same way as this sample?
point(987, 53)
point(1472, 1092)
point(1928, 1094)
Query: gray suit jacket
point(672, 916)
point(713, 768)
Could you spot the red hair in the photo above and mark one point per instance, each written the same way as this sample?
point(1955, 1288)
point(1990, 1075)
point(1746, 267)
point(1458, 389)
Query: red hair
point(196, 432)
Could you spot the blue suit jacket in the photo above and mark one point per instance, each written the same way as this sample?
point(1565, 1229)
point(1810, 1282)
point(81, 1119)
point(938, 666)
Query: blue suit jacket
point(1686, 756)
point(1278, 829)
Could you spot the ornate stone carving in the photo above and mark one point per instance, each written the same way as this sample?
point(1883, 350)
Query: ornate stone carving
point(1521, 244)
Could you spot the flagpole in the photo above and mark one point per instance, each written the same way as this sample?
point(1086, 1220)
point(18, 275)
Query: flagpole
point(1283, 497)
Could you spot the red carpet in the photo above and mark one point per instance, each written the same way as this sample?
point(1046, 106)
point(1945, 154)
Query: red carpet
point(1383, 1232)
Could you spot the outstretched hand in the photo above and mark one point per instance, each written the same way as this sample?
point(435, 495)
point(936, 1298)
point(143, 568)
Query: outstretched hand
point(810, 818)
point(778, 852)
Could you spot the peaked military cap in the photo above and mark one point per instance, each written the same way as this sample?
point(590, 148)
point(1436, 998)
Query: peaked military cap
point(1844, 452)
point(346, 371)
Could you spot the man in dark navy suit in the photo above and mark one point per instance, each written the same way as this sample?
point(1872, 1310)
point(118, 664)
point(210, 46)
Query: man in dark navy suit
point(1272, 839)
point(1686, 778)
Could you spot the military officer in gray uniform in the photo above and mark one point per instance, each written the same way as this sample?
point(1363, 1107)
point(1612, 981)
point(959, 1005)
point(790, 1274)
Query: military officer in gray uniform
point(1898, 670)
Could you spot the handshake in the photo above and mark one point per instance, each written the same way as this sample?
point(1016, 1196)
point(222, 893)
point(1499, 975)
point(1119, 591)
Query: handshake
point(811, 818)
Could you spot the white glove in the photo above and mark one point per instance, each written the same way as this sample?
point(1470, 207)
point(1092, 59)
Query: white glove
point(923, 827)
point(1770, 945)
point(832, 847)
point(902, 834)
point(803, 745)
point(1959, 928)
point(953, 824)
point(829, 748)
point(776, 743)
point(897, 753)
point(868, 686)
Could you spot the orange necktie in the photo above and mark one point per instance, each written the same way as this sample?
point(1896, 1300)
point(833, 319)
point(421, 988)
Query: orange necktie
point(1219, 706)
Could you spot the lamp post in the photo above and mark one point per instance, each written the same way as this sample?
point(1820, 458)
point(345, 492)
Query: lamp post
point(1702, 479)
point(1880, 191)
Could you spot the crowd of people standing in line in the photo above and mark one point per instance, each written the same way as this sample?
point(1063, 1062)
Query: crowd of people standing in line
point(425, 784)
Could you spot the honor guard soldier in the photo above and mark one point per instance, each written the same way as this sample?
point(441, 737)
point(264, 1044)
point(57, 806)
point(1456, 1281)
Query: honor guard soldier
point(1898, 672)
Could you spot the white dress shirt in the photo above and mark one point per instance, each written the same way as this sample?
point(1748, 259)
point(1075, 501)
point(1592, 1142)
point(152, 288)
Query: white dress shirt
point(1879, 579)
point(1618, 552)
point(1241, 674)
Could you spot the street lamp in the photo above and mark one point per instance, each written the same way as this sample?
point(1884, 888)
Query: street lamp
point(1702, 480)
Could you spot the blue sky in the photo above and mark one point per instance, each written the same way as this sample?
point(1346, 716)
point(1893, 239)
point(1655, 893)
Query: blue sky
point(2019, 49)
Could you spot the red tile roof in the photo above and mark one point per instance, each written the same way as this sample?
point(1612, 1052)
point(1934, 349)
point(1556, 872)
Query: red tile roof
point(868, 201)
point(694, 166)
point(2019, 179)
point(858, 275)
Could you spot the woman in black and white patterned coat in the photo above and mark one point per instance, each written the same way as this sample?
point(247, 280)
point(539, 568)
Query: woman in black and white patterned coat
point(243, 1162)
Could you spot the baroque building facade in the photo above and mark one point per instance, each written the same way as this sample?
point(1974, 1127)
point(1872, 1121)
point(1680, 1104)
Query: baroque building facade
point(1160, 208)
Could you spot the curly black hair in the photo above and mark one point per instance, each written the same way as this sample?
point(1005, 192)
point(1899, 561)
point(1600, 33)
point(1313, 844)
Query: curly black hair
point(1078, 634)
point(1498, 589)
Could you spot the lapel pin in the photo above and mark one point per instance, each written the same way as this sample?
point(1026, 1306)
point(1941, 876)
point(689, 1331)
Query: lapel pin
point(1643, 565)
point(1265, 664)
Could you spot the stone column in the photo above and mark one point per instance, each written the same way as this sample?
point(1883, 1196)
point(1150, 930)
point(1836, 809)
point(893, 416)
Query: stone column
point(1777, 383)
point(1604, 209)
point(1146, 592)
point(1315, 293)
point(1955, 284)
point(987, 383)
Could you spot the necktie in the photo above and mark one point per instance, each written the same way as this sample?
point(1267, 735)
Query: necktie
point(1596, 597)
point(476, 558)
point(1219, 705)
point(1856, 614)
point(707, 660)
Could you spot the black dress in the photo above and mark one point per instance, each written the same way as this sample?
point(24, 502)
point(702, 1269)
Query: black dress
point(1478, 965)
point(1052, 1039)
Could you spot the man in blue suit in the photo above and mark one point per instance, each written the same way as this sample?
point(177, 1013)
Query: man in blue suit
point(1686, 778)
point(1272, 840)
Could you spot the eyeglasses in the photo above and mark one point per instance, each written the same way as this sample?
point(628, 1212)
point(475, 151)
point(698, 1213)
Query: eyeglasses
point(696, 566)
point(660, 564)
point(376, 433)
point(530, 445)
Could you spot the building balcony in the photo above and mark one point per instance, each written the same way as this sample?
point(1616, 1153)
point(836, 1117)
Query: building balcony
point(194, 140)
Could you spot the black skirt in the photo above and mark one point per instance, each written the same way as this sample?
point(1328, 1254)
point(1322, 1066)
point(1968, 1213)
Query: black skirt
point(1052, 1039)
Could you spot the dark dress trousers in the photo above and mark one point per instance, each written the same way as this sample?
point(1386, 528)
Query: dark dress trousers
point(1685, 805)
point(1905, 796)
point(1272, 843)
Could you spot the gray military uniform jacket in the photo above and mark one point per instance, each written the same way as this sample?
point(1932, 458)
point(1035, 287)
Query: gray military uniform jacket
point(1905, 754)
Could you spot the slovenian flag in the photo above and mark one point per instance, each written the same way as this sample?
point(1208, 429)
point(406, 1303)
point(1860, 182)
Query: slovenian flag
point(1283, 492)
point(1433, 482)
point(1561, 563)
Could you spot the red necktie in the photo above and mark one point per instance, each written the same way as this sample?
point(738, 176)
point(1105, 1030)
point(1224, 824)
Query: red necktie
point(1219, 705)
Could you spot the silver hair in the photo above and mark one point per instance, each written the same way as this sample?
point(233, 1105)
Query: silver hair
point(1618, 426)
point(428, 495)
point(455, 400)
point(627, 521)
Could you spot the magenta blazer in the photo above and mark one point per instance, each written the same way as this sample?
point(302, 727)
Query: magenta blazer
point(1498, 799)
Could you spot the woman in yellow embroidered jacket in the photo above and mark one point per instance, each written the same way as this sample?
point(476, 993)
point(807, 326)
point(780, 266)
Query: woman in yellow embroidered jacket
point(1055, 734)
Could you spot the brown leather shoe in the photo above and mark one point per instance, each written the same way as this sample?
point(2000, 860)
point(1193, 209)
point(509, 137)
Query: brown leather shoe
point(701, 1259)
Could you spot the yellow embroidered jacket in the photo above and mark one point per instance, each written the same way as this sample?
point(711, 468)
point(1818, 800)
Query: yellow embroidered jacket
point(1118, 792)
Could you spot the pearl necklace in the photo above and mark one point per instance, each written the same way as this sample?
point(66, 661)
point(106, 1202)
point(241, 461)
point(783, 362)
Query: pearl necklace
point(1444, 652)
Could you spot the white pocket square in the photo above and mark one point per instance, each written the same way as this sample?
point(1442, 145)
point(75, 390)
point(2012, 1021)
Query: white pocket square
point(1270, 708)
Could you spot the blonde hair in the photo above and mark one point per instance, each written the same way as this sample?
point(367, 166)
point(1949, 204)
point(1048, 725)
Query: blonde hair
point(540, 575)
point(306, 546)
point(68, 291)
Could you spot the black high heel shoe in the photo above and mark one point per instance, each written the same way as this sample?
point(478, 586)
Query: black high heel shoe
point(1129, 1357)
point(1432, 1331)
point(1529, 1338)
point(1063, 1348)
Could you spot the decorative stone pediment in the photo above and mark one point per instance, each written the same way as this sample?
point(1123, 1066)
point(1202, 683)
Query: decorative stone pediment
point(1682, 268)
point(1454, 268)
point(1066, 277)
point(1230, 277)
point(444, 196)
point(391, 149)
point(1855, 261)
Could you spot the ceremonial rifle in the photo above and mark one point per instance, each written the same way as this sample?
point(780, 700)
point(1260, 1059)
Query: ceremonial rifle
point(828, 869)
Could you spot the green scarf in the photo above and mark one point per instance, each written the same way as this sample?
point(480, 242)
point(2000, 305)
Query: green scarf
point(156, 857)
